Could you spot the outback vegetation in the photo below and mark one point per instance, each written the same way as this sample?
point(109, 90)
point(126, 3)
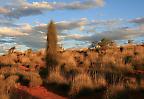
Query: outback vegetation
point(102, 71)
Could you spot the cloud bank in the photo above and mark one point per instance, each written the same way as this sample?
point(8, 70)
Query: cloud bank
point(35, 36)
point(22, 8)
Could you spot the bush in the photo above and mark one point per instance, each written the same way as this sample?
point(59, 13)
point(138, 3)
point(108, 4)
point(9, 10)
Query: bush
point(33, 78)
point(56, 77)
point(81, 81)
point(128, 59)
point(99, 82)
point(7, 86)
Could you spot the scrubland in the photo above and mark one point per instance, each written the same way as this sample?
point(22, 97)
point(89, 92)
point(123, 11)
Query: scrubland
point(113, 73)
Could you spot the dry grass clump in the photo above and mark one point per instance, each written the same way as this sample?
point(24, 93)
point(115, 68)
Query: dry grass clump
point(7, 86)
point(69, 62)
point(112, 90)
point(68, 66)
point(99, 82)
point(56, 77)
point(138, 62)
point(6, 61)
point(131, 83)
point(24, 60)
point(92, 55)
point(122, 91)
point(33, 78)
point(80, 82)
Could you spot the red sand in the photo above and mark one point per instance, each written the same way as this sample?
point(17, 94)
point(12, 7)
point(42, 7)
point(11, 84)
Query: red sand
point(40, 92)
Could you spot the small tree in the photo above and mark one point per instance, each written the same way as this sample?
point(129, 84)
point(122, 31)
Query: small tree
point(93, 45)
point(130, 41)
point(51, 51)
point(105, 42)
point(102, 45)
point(11, 50)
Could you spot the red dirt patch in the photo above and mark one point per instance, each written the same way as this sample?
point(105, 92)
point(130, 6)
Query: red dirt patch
point(39, 92)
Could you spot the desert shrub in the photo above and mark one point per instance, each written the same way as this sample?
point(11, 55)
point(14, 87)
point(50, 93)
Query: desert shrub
point(128, 59)
point(33, 77)
point(68, 57)
point(30, 80)
point(56, 77)
point(92, 55)
point(7, 86)
point(131, 83)
point(113, 90)
point(43, 72)
point(138, 62)
point(37, 62)
point(68, 66)
point(6, 61)
point(136, 53)
point(81, 81)
point(35, 81)
point(99, 82)
point(70, 73)
point(28, 51)
point(121, 92)
point(121, 48)
point(119, 67)
point(24, 60)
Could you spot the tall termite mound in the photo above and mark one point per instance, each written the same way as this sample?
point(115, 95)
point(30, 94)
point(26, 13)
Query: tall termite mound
point(51, 51)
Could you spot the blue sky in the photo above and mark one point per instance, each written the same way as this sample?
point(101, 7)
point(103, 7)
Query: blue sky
point(113, 9)
point(23, 22)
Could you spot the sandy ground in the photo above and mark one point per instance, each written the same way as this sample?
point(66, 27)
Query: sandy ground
point(39, 92)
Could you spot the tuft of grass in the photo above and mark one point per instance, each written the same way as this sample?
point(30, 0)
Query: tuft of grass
point(81, 81)
point(56, 77)
point(7, 86)
point(99, 82)
point(33, 78)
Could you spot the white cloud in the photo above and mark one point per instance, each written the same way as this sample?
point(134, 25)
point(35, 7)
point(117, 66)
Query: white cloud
point(79, 5)
point(3, 10)
point(11, 32)
point(22, 8)
point(69, 25)
point(75, 36)
point(117, 34)
point(139, 20)
point(44, 5)
point(25, 27)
